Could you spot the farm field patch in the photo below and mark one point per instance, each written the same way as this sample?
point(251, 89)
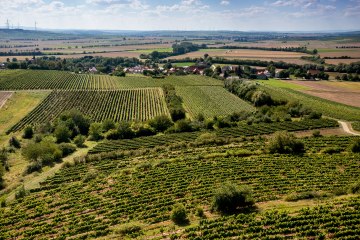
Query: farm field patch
point(211, 101)
point(4, 96)
point(327, 107)
point(346, 93)
point(119, 105)
point(18, 106)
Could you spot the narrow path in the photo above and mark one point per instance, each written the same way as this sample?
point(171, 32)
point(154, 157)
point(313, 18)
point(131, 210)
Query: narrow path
point(346, 126)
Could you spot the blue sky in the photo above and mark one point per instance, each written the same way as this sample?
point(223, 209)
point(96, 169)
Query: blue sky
point(243, 15)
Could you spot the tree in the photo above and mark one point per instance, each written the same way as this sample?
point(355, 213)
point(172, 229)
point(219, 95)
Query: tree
point(161, 123)
point(230, 198)
point(179, 214)
point(28, 132)
point(62, 133)
point(315, 51)
point(108, 124)
point(79, 141)
point(14, 142)
point(260, 98)
point(95, 131)
point(355, 146)
point(284, 142)
point(2, 171)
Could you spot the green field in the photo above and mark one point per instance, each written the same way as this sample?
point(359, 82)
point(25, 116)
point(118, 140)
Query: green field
point(95, 198)
point(211, 101)
point(183, 64)
point(283, 84)
point(119, 105)
point(328, 108)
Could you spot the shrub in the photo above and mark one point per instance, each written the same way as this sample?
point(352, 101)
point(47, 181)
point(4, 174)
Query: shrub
point(284, 142)
point(131, 230)
point(95, 131)
point(331, 150)
point(79, 141)
point(124, 130)
point(28, 132)
point(62, 133)
point(355, 187)
point(14, 142)
point(20, 192)
point(108, 124)
point(199, 212)
point(316, 133)
point(141, 129)
point(302, 196)
point(42, 152)
point(179, 214)
point(67, 149)
point(183, 126)
point(355, 146)
point(161, 123)
point(33, 167)
point(230, 198)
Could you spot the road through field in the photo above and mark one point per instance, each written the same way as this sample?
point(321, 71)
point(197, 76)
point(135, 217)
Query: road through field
point(347, 128)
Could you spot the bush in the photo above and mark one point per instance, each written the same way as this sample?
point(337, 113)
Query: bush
point(302, 196)
point(62, 133)
point(161, 123)
point(28, 132)
point(95, 132)
point(284, 142)
point(14, 142)
point(331, 150)
point(230, 198)
point(200, 212)
point(33, 167)
point(79, 141)
point(355, 146)
point(316, 133)
point(67, 149)
point(131, 230)
point(179, 214)
point(20, 193)
point(141, 129)
point(44, 152)
point(108, 124)
point(183, 126)
point(355, 188)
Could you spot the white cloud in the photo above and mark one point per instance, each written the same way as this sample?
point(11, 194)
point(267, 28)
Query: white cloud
point(224, 2)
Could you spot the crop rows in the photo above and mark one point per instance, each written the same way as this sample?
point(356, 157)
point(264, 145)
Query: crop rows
point(211, 101)
point(340, 220)
point(119, 105)
point(327, 107)
point(88, 199)
point(242, 130)
point(37, 79)
point(45, 80)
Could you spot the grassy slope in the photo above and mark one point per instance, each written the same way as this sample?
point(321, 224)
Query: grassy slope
point(20, 104)
point(211, 101)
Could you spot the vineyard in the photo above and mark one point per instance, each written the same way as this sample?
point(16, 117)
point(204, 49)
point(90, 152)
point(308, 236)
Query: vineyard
point(241, 131)
point(128, 105)
point(40, 79)
point(211, 101)
point(94, 198)
point(37, 79)
point(4, 96)
point(328, 108)
point(339, 220)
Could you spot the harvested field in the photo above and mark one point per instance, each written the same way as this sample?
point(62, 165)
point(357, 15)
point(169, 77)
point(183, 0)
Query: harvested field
point(337, 61)
point(346, 93)
point(4, 96)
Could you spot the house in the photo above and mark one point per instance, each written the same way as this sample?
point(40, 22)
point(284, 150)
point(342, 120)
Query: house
point(93, 70)
point(136, 70)
point(313, 72)
point(195, 69)
point(2, 66)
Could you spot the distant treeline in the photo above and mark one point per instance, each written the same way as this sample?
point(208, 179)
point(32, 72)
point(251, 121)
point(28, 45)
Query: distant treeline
point(342, 57)
point(24, 53)
point(347, 46)
point(286, 49)
point(177, 49)
point(102, 64)
point(18, 46)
